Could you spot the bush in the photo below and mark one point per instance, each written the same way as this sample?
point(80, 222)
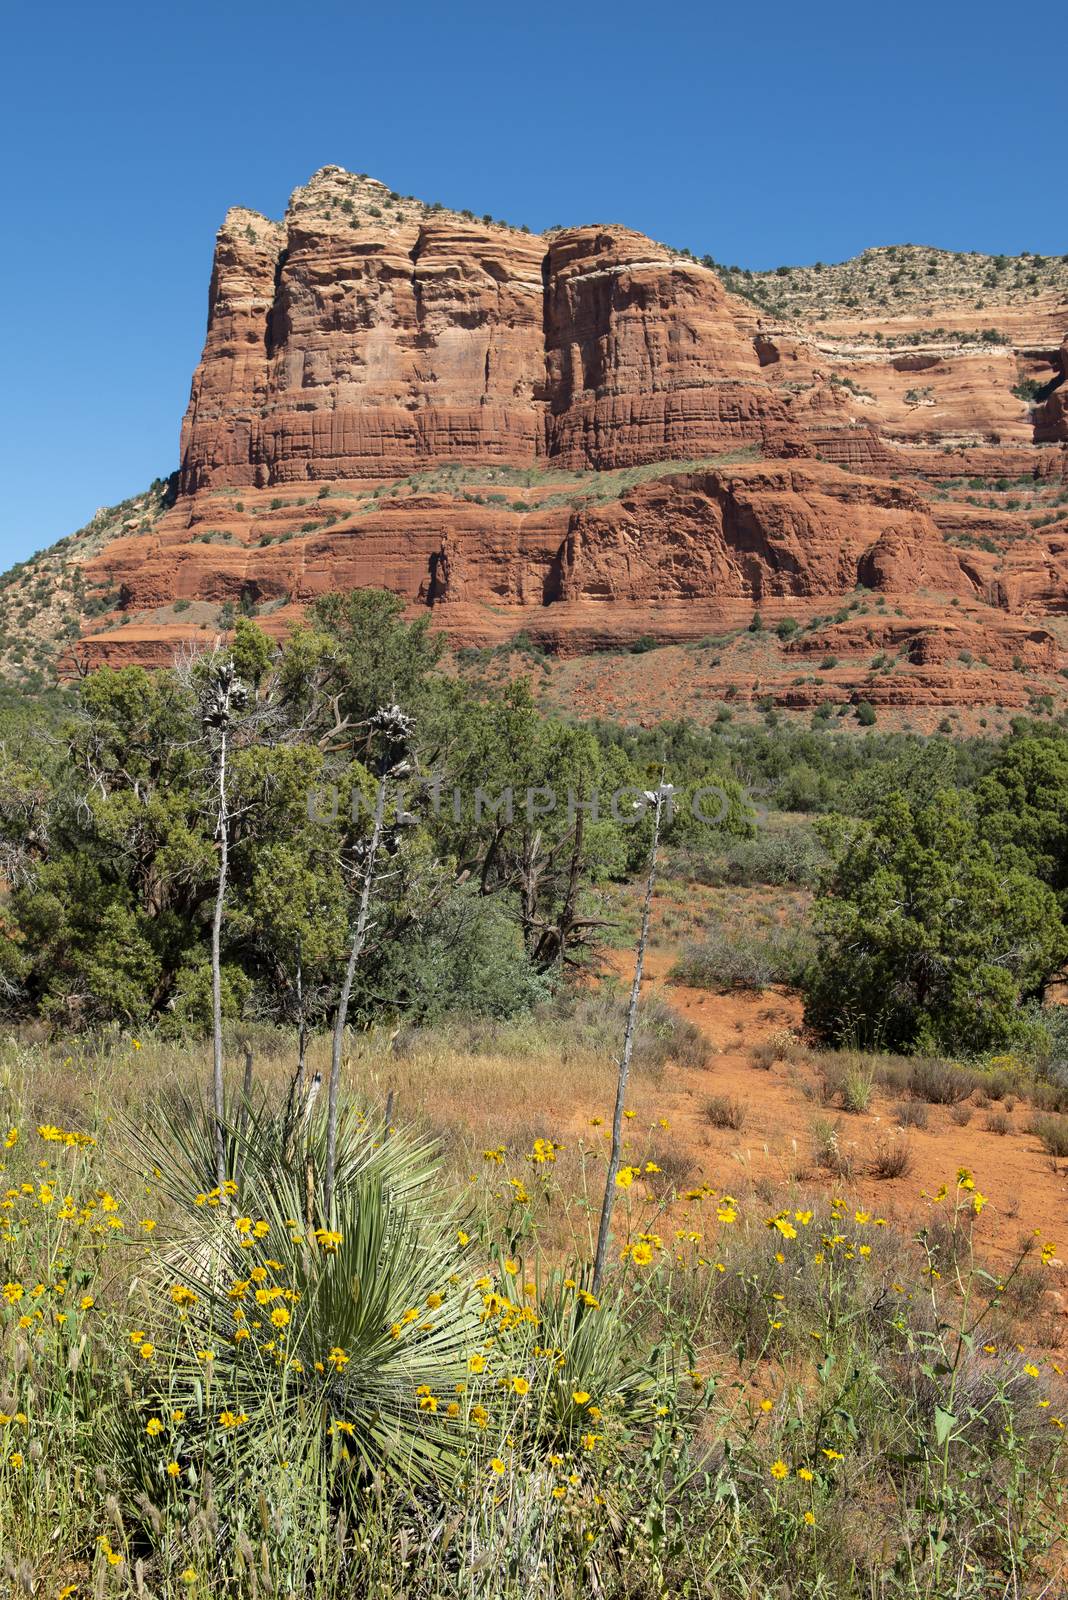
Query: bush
point(941, 1083)
point(190, 1012)
point(866, 714)
point(723, 1111)
point(744, 957)
point(846, 1080)
point(926, 942)
point(891, 1158)
point(466, 957)
point(1053, 1134)
point(827, 1149)
point(1052, 1051)
point(779, 856)
point(779, 1047)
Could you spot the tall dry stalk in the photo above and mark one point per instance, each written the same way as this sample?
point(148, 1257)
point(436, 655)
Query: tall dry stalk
point(393, 728)
point(659, 796)
point(359, 939)
point(224, 694)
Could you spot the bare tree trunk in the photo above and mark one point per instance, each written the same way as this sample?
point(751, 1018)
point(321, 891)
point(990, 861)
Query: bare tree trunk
point(528, 890)
point(216, 964)
point(567, 910)
point(359, 937)
point(624, 1060)
point(302, 1024)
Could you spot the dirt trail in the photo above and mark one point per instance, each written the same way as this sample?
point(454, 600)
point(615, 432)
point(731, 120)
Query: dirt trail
point(775, 1144)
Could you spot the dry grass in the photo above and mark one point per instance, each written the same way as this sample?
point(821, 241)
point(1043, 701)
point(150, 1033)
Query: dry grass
point(1053, 1134)
point(724, 1111)
point(941, 1083)
point(891, 1158)
point(830, 1151)
point(845, 1079)
point(467, 1082)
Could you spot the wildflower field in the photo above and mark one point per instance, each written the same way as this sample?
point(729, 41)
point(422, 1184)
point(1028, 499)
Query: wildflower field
point(226, 1391)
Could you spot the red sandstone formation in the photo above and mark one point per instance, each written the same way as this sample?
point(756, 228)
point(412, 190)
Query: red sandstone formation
point(585, 437)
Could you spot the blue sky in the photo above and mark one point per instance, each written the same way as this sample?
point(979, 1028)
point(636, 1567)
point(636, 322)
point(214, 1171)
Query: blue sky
point(760, 133)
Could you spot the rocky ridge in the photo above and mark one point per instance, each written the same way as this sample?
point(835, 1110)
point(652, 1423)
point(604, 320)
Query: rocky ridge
point(587, 439)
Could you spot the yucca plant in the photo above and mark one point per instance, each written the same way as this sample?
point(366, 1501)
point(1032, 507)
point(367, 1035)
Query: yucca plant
point(284, 1346)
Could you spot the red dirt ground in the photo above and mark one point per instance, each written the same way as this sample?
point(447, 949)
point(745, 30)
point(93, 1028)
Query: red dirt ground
point(775, 1143)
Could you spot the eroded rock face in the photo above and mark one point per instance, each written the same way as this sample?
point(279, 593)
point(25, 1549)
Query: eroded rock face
point(584, 436)
point(647, 357)
point(340, 354)
point(334, 353)
point(756, 533)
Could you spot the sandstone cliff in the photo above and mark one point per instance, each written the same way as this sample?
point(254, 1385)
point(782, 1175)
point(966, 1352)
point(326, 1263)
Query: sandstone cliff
point(589, 438)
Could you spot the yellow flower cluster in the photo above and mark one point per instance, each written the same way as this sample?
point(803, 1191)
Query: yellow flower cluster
point(73, 1141)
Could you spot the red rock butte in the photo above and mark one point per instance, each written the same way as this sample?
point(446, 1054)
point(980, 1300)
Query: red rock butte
point(586, 438)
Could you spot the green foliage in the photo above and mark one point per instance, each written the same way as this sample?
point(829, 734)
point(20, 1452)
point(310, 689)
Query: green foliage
point(251, 652)
point(341, 1284)
point(925, 941)
point(425, 1405)
point(499, 829)
point(1023, 806)
point(774, 855)
point(466, 958)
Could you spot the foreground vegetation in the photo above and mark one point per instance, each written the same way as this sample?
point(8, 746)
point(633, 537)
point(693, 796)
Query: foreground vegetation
point(225, 1391)
point(310, 1340)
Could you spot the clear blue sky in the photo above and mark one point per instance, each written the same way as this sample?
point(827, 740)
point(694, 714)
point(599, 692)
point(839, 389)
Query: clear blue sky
point(761, 133)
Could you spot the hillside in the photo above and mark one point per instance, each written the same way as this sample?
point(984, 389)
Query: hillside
point(904, 279)
point(47, 602)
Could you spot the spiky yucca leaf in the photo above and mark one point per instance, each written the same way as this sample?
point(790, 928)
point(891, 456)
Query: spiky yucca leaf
point(175, 1145)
